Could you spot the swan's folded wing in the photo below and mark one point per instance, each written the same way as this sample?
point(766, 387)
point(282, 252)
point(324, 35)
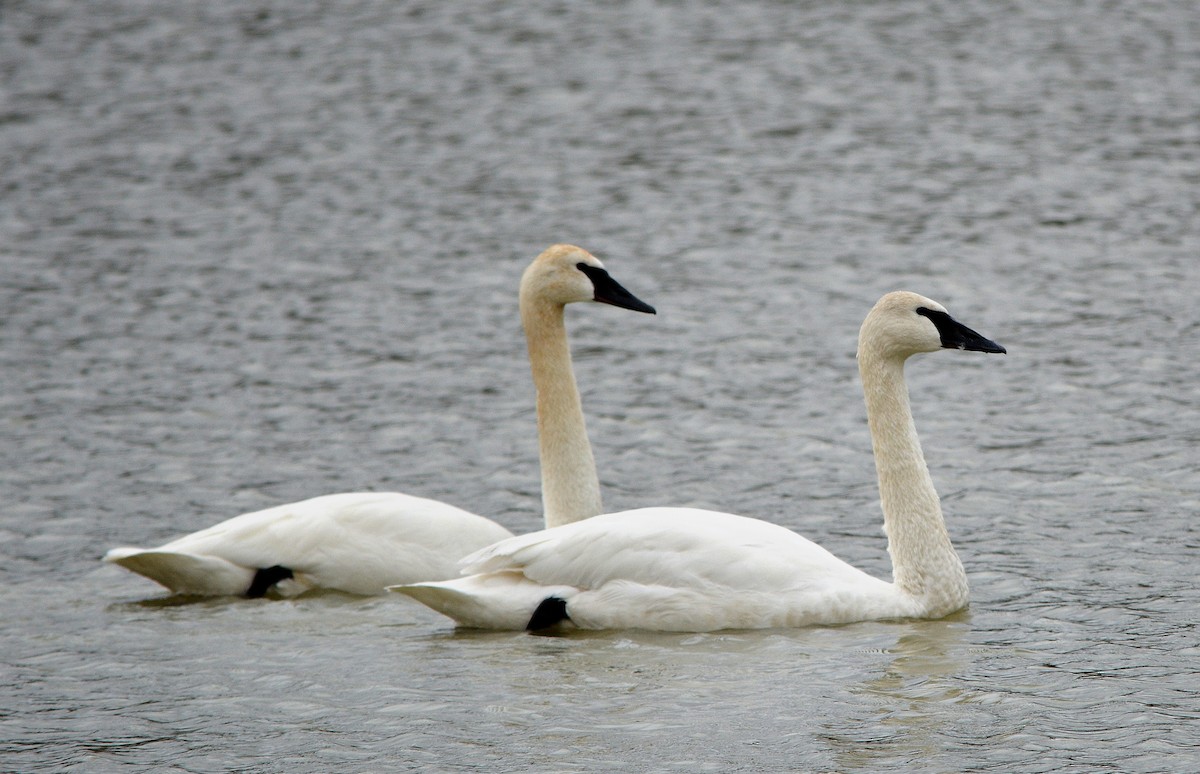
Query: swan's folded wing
point(184, 573)
point(668, 547)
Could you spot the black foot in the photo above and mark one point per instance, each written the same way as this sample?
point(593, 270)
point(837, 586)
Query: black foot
point(265, 578)
point(551, 612)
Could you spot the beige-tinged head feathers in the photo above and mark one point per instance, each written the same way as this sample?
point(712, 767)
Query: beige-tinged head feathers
point(568, 254)
point(565, 274)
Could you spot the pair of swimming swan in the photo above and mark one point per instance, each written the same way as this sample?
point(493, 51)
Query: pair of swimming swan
point(365, 541)
point(687, 569)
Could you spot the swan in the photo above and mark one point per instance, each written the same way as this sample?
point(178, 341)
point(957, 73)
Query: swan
point(687, 569)
point(362, 542)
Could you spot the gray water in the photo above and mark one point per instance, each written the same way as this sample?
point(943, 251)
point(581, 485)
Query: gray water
point(253, 253)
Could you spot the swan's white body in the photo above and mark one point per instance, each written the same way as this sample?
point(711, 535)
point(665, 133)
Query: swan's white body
point(672, 569)
point(685, 569)
point(363, 542)
point(351, 542)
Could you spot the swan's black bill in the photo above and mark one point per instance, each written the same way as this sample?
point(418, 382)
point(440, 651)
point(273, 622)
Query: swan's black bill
point(609, 291)
point(955, 335)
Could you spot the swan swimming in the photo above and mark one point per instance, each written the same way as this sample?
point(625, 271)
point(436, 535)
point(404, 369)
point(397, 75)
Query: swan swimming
point(687, 569)
point(362, 542)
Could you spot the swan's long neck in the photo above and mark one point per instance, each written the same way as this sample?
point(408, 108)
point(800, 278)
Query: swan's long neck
point(570, 487)
point(924, 564)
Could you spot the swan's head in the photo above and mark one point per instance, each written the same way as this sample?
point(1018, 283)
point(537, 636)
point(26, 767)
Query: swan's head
point(903, 324)
point(564, 274)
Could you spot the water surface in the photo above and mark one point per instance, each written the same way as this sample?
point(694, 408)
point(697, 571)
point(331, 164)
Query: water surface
point(252, 254)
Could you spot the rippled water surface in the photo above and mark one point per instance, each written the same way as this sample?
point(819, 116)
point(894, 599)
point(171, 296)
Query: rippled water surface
point(252, 253)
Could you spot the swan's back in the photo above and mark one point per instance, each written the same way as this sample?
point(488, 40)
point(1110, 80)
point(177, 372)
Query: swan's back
point(362, 518)
point(667, 546)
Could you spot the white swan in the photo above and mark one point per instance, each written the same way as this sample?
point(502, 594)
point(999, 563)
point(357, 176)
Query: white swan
point(685, 569)
point(362, 542)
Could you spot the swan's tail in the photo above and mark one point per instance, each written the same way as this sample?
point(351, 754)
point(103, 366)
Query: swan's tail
point(495, 600)
point(184, 573)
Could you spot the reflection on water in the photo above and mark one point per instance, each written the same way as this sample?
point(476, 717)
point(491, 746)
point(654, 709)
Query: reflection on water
point(911, 719)
point(252, 256)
